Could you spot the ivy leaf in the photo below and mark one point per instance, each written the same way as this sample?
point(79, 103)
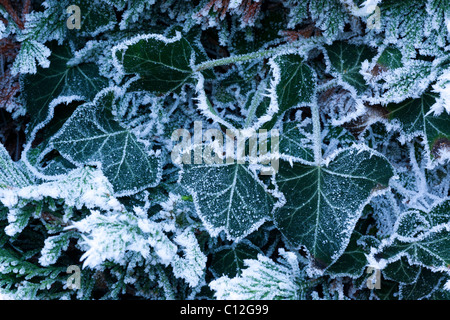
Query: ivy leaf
point(297, 81)
point(164, 65)
point(229, 260)
point(439, 213)
point(294, 143)
point(346, 60)
point(91, 136)
point(422, 238)
point(39, 90)
point(95, 17)
point(228, 197)
point(323, 203)
point(425, 284)
point(391, 58)
point(389, 290)
point(401, 271)
point(413, 116)
point(353, 261)
point(431, 249)
point(296, 84)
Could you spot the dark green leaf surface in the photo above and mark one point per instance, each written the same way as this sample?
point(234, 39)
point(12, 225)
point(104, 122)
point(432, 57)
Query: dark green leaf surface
point(229, 261)
point(414, 118)
point(346, 59)
point(163, 67)
point(228, 197)
point(59, 80)
point(324, 203)
point(92, 136)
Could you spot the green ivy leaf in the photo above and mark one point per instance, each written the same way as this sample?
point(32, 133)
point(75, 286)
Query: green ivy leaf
point(388, 291)
point(323, 203)
point(296, 86)
point(391, 58)
point(164, 65)
point(229, 260)
point(96, 17)
point(425, 284)
point(431, 249)
point(438, 214)
point(92, 136)
point(40, 89)
point(228, 197)
point(293, 142)
point(346, 60)
point(401, 271)
point(297, 82)
point(413, 115)
point(353, 261)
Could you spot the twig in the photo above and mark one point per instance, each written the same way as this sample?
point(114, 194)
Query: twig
point(9, 8)
point(26, 9)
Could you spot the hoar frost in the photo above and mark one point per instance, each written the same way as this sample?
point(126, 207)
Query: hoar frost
point(359, 92)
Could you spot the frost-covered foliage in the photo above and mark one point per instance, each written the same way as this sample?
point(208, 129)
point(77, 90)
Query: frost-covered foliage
point(129, 168)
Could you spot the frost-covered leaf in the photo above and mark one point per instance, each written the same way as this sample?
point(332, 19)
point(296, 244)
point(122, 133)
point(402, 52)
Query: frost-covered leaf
point(11, 174)
point(401, 271)
point(430, 249)
point(297, 82)
point(409, 81)
point(83, 187)
point(92, 136)
point(18, 218)
point(346, 60)
point(164, 65)
point(323, 203)
point(420, 238)
point(408, 22)
point(415, 119)
point(439, 213)
point(137, 234)
point(442, 87)
point(439, 10)
point(48, 85)
point(135, 10)
point(31, 52)
point(228, 197)
point(263, 279)
point(295, 143)
point(53, 247)
point(391, 58)
point(425, 284)
point(30, 278)
point(191, 266)
point(229, 260)
point(95, 18)
point(353, 261)
point(411, 223)
point(329, 15)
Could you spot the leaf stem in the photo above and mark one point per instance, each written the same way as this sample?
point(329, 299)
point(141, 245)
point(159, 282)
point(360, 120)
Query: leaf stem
point(317, 134)
point(306, 44)
point(238, 58)
point(256, 100)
